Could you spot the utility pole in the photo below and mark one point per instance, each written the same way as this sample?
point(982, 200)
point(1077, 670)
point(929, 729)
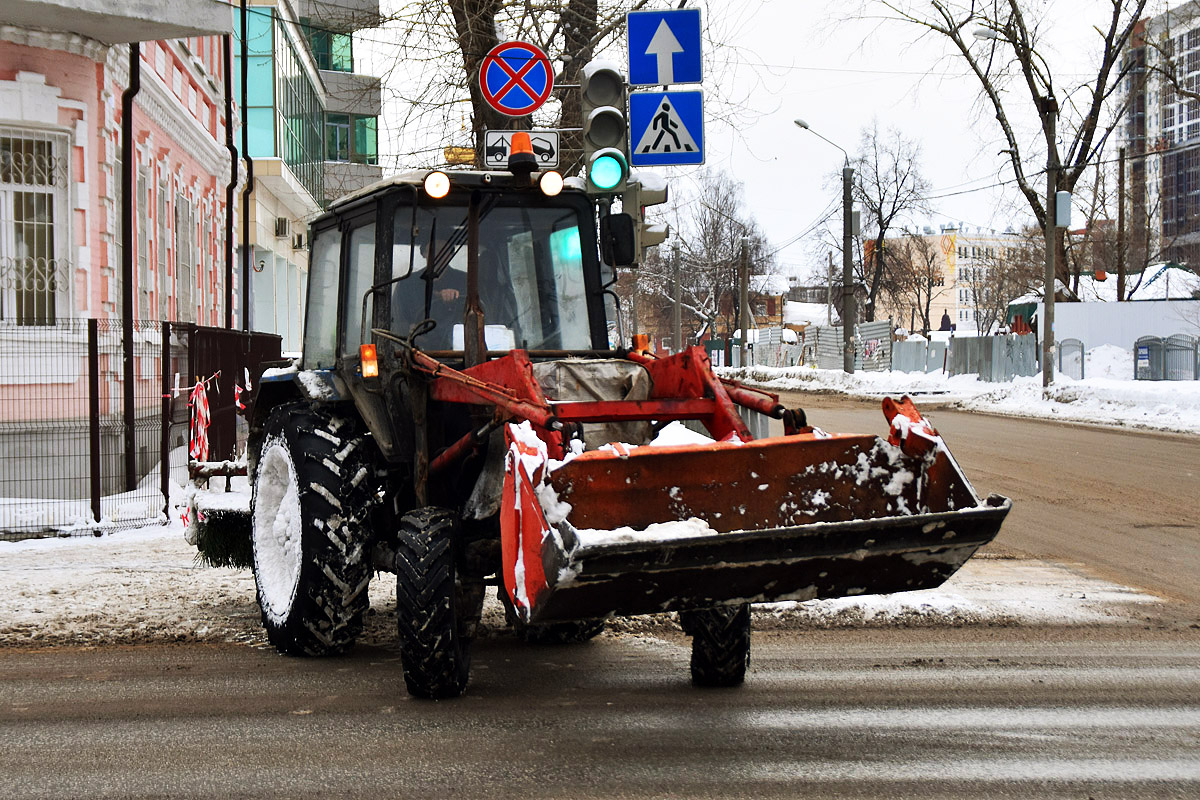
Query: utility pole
point(1049, 110)
point(1121, 225)
point(829, 293)
point(677, 297)
point(848, 311)
point(744, 296)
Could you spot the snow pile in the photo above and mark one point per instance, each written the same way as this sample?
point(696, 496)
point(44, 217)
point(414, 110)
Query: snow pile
point(986, 590)
point(659, 531)
point(1108, 395)
point(861, 384)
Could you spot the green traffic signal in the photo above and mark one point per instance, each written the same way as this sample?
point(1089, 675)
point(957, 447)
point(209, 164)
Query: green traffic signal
point(607, 169)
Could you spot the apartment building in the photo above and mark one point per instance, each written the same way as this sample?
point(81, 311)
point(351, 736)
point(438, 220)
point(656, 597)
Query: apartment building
point(1161, 136)
point(311, 135)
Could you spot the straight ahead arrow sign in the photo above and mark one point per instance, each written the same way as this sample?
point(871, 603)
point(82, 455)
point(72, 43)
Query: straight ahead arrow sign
point(664, 46)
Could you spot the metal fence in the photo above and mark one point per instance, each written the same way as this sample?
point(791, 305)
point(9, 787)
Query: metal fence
point(77, 452)
point(823, 346)
point(1180, 358)
point(1175, 358)
point(992, 358)
point(920, 356)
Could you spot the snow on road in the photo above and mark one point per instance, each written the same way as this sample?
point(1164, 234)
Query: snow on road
point(146, 586)
point(1108, 396)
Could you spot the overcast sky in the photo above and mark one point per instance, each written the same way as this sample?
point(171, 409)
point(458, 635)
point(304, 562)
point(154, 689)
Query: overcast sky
point(797, 58)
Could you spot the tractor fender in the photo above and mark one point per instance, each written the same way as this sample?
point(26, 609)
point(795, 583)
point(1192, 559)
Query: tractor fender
point(275, 387)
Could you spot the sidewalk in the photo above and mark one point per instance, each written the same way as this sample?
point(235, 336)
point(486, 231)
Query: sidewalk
point(1108, 396)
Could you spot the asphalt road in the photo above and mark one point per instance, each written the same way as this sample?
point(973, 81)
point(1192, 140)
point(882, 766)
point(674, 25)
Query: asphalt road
point(1125, 504)
point(958, 714)
point(1101, 712)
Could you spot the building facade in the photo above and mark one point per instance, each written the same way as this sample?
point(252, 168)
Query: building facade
point(1161, 137)
point(311, 134)
point(958, 282)
point(61, 170)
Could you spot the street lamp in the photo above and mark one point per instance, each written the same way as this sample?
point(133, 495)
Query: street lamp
point(848, 311)
point(1047, 107)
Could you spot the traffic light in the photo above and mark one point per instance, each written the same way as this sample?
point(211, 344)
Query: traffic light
point(645, 188)
point(605, 128)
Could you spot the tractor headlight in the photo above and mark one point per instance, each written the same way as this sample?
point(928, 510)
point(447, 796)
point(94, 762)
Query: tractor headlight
point(437, 185)
point(551, 183)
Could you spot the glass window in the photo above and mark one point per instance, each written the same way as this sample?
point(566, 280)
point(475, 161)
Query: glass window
point(337, 137)
point(360, 276)
point(259, 23)
point(260, 74)
point(341, 52)
point(366, 149)
point(320, 323)
point(531, 278)
point(261, 125)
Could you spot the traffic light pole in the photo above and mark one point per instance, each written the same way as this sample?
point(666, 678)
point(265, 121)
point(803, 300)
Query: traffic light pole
point(677, 295)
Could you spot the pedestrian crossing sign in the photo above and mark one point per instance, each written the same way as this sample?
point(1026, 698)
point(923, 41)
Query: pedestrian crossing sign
point(666, 129)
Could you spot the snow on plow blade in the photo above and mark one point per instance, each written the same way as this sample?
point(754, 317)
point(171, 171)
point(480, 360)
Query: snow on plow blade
point(807, 516)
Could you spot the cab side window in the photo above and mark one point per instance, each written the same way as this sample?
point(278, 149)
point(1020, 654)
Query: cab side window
point(360, 277)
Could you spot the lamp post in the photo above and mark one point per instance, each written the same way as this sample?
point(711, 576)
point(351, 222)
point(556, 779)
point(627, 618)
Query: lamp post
point(849, 313)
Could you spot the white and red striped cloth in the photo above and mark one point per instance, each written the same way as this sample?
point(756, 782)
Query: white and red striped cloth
point(198, 449)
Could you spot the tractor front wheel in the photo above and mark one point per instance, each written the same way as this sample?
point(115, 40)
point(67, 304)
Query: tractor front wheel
point(720, 644)
point(433, 622)
point(312, 495)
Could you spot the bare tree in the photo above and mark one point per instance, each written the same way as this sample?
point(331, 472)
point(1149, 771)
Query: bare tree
point(708, 232)
point(890, 188)
point(1002, 43)
point(916, 265)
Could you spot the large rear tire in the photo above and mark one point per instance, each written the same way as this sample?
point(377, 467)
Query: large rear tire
point(433, 625)
point(720, 644)
point(312, 495)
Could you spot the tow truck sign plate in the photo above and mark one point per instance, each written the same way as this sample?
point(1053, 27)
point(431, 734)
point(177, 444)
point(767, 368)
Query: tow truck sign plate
point(498, 144)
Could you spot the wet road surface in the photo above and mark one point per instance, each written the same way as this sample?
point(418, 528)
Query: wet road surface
point(957, 713)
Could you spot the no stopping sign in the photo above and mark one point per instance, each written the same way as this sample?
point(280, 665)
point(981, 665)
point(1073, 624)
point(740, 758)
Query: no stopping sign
point(516, 78)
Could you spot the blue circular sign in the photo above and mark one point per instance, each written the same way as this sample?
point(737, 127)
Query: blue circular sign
point(516, 78)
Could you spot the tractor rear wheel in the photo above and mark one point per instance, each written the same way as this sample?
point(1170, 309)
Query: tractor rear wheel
point(312, 495)
point(720, 644)
point(433, 625)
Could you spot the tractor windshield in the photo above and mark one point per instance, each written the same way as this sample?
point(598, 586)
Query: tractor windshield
point(531, 276)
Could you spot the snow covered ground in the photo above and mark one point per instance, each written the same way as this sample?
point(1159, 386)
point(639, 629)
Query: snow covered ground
point(146, 586)
point(1108, 396)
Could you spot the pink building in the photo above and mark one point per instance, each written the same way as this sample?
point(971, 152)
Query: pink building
point(63, 69)
point(60, 172)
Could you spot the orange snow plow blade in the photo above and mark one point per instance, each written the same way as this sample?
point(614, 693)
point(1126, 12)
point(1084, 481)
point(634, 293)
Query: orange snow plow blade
point(799, 517)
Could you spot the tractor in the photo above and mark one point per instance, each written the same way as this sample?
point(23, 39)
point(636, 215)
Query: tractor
point(467, 412)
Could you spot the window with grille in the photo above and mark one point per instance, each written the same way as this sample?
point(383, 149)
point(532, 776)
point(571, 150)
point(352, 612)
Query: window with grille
point(162, 260)
point(34, 264)
point(145, 283)
point(184, 260)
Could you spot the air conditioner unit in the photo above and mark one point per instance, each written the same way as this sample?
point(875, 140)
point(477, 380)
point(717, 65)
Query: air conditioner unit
point(299, 242)
point(283, 227)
